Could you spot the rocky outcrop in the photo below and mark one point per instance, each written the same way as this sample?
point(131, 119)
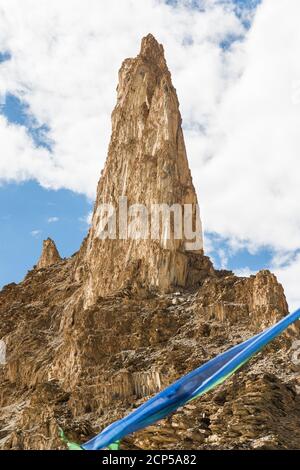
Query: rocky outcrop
point(69, 370)
point(259, 298)
point(147, 164)
point(91, 337)
point(49, 254)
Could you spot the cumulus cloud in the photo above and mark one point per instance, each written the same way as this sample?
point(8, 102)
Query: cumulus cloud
point(51, 220)
point(240, 104)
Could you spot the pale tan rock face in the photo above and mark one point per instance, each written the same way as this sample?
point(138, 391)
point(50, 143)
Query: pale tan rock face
point(49, 254)
point(259, 298)
point(146, 163)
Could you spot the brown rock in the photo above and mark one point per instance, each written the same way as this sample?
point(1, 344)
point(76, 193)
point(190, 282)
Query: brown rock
point(49, 254)
point(259, 298)
point(146, 163)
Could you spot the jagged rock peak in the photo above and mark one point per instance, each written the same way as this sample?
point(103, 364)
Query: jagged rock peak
point(147, 164)
point(151, 49)
point(150, 44)
point(50, 254)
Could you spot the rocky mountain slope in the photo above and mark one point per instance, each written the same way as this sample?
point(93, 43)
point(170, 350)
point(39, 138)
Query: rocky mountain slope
point(91, 337)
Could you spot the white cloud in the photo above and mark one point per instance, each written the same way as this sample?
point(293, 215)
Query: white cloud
point(240, 108)
point(245, 272)
point(250, 188)
point(289, 277)
point(36, 233)
point(87, 219)
point(51, 220)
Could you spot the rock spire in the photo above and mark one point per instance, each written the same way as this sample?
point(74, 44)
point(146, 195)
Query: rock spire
point(50, 254)
point(146, 165)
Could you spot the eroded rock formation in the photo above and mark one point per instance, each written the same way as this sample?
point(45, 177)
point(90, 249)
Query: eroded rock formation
point(147, 164)
point(91, 337)
point(49, 254)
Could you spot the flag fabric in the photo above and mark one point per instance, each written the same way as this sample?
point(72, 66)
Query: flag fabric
point(189, 387)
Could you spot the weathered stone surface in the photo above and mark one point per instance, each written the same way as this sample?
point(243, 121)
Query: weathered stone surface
point(259, 298)
point(68, 368)
point(49, 254)
point(88, 338)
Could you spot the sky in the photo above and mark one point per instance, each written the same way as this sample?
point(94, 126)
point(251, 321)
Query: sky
point(236, 70)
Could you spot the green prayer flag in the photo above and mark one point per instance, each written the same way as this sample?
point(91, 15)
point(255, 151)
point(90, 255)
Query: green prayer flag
point(114, 445)
point(71, 445)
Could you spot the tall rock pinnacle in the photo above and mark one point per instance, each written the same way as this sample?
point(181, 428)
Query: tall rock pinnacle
point(147, 165)
point(49, 254)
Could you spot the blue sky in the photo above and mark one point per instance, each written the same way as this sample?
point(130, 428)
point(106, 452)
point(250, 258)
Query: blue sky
point(17, 112)
point(57, 91)
point(30, 214)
